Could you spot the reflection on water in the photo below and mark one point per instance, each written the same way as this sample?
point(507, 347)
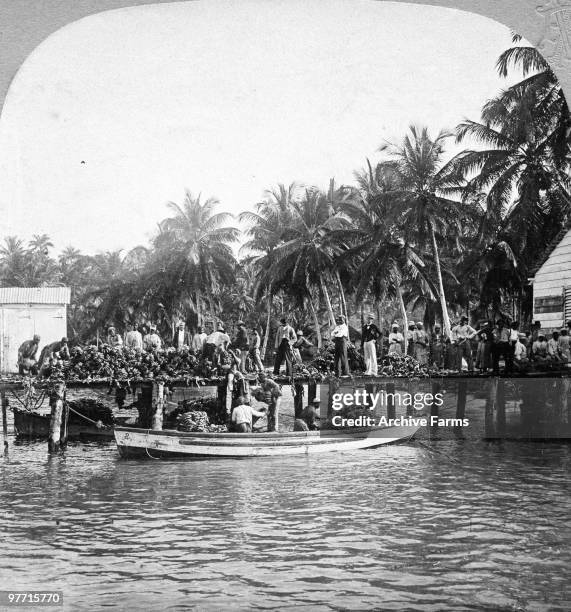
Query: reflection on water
point(446, 525)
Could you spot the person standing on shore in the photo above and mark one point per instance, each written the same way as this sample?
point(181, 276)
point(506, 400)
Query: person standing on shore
point(152, 341)
point(301, 343)
point(181, 337)
point(463, 334)
point(340, 337)
point(242, 343)
point(420, 338)
point(255, 343)
point(395, 341)
point(369, 334)
point(133, 338)
point(437, 348)
point(285, 337)
point(113, 338)
point(197, 342)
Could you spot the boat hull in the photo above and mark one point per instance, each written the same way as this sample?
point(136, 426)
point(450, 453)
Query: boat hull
point(132, 442)
point(33, 425)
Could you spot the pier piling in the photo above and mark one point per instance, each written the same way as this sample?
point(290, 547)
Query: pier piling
point(391, 409)
point(298, 400)
point(4, 419)
point(159, 407)
point(57, 405)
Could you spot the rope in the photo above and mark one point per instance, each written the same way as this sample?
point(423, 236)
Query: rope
point(147, 448)
point(98, 424)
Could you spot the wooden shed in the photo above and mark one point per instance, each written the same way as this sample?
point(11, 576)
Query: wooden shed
point(25, 311)
point(552, 283)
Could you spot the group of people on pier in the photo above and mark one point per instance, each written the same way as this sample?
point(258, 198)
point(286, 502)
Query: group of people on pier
point(466, 348)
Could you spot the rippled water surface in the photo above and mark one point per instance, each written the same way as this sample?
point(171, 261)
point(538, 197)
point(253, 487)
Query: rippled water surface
point(465, 525)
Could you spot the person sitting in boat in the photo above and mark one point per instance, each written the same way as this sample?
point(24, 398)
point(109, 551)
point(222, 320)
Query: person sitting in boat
point(307, 418)
point(27, 363)
point(241, 421)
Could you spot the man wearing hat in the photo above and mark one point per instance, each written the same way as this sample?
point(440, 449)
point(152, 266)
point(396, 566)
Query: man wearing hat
point(300, 344)
point(27, 355)
point(395, 341)
point(56, 350)
point(462, 335)
point(308, 417)
point(181, 337)
point(113, 338)
point(152, 341)
point(285, 337)
point(369, 334)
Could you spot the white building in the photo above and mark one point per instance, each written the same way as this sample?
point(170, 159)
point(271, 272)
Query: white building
point(25, 311)
point(552, 283)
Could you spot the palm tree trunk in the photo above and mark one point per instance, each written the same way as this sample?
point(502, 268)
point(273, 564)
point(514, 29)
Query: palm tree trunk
point(315, 322)
point(327, 300)
point(404, 319)
point(445, 318)
point(268, 319)
point(342, 294)
point(198, 313)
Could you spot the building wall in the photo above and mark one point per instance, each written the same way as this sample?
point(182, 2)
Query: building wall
point(553, 280)
point(19, 322)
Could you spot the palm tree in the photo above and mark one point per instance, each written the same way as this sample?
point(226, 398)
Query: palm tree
point(197, 244)
point(13, 261)
point(422, 208)
point(307, 258)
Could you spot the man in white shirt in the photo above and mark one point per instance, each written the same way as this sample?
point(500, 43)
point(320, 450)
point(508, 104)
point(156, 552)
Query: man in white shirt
point(285, 337)
point(340, 337)
point(462, 335)
point(133, 338)
point(152, 341)
point(242, 416)
point(198, 341)
point(181, 337)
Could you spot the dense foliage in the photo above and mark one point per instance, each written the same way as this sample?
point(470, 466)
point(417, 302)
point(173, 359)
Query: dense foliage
point(414, 235)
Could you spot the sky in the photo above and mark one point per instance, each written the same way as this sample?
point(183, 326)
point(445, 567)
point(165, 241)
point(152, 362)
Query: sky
point(116, 114)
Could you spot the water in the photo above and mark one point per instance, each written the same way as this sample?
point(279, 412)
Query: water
point(468, 525)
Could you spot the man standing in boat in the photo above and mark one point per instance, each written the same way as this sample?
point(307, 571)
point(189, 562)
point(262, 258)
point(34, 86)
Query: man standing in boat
point(241, 421)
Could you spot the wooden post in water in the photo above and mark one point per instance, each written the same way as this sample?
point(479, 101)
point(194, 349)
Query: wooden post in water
point(461, 400)
point(159, 407)
point(489, 420)
point(57, 404)
point(298, 400)
point(564, 403)
point(65, 418)
point(4, 418)
point(501, 409)
point(436, 387)
point(391, 410)
point(311, 391)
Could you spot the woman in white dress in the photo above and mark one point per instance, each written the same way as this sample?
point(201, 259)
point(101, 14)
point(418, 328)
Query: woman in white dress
point(396, 340)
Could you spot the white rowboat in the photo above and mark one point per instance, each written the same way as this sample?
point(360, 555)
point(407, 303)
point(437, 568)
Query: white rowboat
point(133, 442)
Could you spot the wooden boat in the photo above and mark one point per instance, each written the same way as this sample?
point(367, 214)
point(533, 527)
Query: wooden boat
point(133, 442)
point(33, 425)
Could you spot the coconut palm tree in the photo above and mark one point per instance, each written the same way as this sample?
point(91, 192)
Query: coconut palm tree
point(422, 208)
point(197, 244)
point(307, 258)
point(13, 261)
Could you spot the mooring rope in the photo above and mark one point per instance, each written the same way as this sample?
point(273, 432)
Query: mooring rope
point(98, 424)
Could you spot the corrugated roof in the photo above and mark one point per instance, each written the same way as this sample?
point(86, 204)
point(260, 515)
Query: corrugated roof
point(35, 295)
